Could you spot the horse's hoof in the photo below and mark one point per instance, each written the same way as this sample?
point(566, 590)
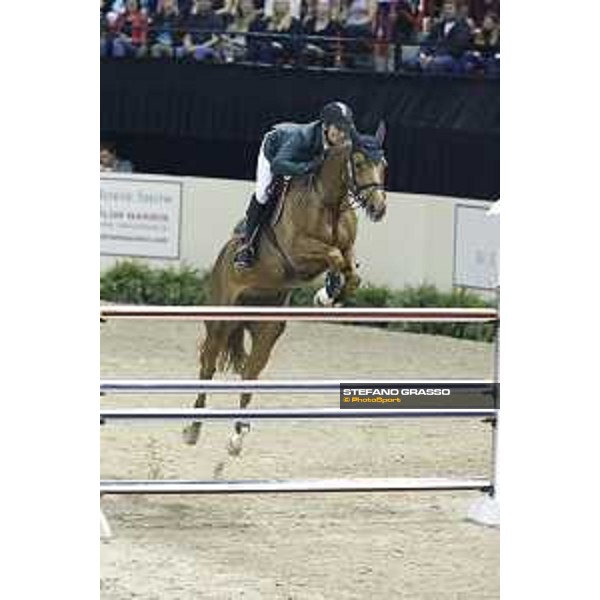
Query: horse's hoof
point(334, 284)
point(234, 445)
point(191, 433)
point(321, 298)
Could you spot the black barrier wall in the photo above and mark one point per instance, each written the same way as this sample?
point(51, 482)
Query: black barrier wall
point(207, 120)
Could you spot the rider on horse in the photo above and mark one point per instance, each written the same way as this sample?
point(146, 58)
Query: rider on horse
point(288, 150)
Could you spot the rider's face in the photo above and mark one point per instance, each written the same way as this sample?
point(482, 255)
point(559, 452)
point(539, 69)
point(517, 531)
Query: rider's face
point(335, 136)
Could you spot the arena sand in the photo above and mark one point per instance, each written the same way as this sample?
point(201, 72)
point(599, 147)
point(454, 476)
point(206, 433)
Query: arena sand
point(296, 547)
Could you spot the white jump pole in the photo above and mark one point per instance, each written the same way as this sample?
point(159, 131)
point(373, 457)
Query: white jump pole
point(486, 510)
point(281, 386)
point(105, 532)
point(278, 313)
point(253, 414)
point(406, 484)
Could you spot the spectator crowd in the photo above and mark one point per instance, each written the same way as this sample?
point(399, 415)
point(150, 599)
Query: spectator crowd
point(438, 36)
point(110, 162)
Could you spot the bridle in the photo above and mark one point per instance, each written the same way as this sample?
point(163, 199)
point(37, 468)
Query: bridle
point(359, 194)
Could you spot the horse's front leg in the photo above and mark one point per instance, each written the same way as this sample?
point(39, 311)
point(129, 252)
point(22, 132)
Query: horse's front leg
point(351, 277)
point(315, 252)
point(311, 251)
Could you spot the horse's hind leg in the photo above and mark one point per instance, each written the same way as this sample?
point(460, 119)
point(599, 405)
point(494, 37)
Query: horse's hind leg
point(215, 338)
point(264, 335)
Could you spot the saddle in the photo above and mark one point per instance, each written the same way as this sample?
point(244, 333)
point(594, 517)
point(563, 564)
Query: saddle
point(274, 208)
point(276, 196)
point(281, 188)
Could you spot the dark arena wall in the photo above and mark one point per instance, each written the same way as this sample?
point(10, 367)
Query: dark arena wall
point(208, 120)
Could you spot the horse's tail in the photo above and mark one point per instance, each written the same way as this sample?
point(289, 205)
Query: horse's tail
point(233, 354)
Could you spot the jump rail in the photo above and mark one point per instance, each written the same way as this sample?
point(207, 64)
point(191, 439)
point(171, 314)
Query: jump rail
point(316, 386)
point(250, 313)
point(290, 486)
point(208, 414)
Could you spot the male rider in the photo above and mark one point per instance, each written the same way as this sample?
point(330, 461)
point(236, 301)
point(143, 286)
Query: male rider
point(288, 150)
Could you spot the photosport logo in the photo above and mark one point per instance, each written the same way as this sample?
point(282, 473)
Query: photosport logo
point(419, 395)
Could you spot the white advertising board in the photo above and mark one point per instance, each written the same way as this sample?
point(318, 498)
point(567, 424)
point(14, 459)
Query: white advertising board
point(139, 216)
point(476, 247)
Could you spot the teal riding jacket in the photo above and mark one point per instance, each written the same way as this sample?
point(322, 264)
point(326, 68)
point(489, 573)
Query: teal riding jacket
point(294, 149)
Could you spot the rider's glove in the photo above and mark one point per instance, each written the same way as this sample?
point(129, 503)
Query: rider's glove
point(312, 165)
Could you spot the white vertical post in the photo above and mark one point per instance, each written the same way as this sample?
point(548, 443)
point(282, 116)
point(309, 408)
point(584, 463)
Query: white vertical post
point(486, 510)
point(105, 532)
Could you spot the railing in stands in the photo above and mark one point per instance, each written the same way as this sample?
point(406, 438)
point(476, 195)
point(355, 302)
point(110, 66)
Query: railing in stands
point(297, 50)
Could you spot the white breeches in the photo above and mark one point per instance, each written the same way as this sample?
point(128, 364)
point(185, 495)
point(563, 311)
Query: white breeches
point(264, 176)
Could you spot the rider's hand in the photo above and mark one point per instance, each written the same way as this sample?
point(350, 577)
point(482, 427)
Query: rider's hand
point(312, 165)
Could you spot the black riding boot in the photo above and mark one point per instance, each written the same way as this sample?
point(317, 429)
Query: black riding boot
point(246, 254)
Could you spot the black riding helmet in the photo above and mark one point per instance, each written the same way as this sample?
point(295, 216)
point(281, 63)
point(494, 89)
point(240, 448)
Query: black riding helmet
point(340, 115)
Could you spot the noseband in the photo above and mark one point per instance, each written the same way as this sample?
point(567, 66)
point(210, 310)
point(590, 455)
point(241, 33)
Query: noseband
point(359, 194)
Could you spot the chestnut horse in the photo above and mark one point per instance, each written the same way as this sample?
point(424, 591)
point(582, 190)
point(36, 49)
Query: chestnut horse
point(313, 232)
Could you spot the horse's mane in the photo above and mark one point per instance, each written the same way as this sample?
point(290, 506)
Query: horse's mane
point(302, 185)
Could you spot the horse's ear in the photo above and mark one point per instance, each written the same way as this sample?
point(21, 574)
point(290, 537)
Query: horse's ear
point(380, 133)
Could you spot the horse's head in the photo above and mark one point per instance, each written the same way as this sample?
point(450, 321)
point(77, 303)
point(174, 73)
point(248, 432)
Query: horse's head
point(367, 173)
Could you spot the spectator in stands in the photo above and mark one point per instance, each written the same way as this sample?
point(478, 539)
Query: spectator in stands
point(109, 161)
point(463, 11)
point(283, 47)
point(405, 30)
point(446, 45)
point(297, 8)
point(487, 38)
point(201, 28)
point(386, 18)
point(480, 8)
point(118, 7)
point(165, 31)
point(131, 31)
point(321, 52)
point(227, 10)
point(182, 6)
point(309, 10)
point(486, 56)
point(104, 30)
point(240, 17)
point(335, 6)
point(358, 17)
point(407, 22)
point(149, 5)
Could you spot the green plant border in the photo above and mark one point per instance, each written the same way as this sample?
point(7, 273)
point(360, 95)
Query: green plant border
point(132, 282)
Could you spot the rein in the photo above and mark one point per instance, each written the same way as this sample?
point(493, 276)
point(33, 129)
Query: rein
point(357, 192)
point(357, 196)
